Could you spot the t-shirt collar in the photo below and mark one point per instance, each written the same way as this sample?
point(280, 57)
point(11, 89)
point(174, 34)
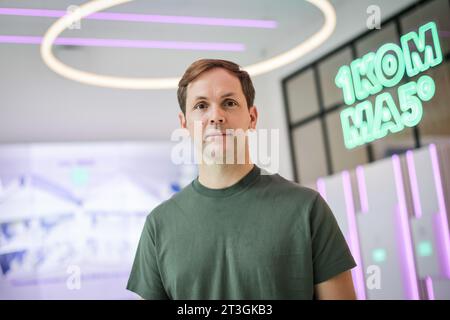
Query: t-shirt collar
point(245, 181)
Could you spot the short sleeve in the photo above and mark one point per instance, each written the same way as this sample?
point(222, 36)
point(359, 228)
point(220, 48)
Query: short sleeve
point(145, 277)
point(330, 252)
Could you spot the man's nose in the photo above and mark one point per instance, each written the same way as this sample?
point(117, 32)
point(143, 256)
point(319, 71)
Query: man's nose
point(216, 116)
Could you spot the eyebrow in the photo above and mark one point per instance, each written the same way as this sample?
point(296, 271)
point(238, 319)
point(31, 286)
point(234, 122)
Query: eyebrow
point(229, 94)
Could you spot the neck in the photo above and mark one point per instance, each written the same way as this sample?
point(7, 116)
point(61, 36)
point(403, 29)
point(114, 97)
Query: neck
point(219, 176)
point(223, 175)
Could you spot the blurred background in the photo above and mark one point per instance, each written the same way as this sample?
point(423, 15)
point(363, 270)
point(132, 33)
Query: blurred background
point(81, 165)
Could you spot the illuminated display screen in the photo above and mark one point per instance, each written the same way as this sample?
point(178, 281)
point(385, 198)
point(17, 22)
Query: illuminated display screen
point(71, 215)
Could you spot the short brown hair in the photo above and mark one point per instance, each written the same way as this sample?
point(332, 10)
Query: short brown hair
point(202, 65)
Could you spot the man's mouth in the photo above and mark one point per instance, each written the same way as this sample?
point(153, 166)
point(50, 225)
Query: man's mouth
point(217, 134)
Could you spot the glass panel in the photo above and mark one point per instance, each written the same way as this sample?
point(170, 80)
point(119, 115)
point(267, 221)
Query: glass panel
point(309, 152)
point(393, 143)
point(302, 96)
point(341, 157)
point(376, 39)
point(328, 69)
point(435, 124)
point(437, 11)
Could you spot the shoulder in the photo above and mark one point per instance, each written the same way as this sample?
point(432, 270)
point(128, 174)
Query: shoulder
point(286, 190)
point(170, 205)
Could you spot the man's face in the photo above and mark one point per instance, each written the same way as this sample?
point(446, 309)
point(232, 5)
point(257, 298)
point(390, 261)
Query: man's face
point(216, 102)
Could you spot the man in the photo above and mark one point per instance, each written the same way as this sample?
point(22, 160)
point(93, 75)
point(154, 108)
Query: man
point(235, 233)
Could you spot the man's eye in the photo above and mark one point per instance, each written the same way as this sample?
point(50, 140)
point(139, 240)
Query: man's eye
point(230, 103)
point(200, 106)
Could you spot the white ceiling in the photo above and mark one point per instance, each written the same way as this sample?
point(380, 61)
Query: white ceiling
point(296, 20)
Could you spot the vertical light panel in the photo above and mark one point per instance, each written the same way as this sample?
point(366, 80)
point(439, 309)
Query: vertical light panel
point(405, 233)
point(430, 229)
point(358, 271)
point(429, 287)
point(362, 189)
point(414, 184)
point(442, 214)
point(383, 230)
point(321, 188)
point(336, 190)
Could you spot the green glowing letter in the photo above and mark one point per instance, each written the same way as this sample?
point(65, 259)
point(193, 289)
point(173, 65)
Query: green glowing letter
point(426, 88)
point(364, 120)
point(386, 118)
point(410, 104)
point(344, 81)
point(365, 67)
point(352, 138)
point(389, 68)
point(414, 64)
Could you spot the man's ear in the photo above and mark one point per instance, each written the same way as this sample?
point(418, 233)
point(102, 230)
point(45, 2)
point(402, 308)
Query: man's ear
point(253, 117)
point(182, 119)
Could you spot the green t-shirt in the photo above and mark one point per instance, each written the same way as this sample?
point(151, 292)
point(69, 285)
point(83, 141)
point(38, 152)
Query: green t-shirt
point(261, 238)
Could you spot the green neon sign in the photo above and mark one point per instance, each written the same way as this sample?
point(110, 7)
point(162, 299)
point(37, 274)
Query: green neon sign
point(368, 76)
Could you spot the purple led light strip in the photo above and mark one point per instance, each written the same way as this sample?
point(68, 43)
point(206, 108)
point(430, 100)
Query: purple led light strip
point(429, 286)
point(362, 189)
point(122, 43)
point(442, 214)
point(414, 184)
point(206, 21)
point(353, 235)
point(321, 188)
point(405, 233)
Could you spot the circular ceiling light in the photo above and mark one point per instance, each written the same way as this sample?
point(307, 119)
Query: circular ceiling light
point(169, 83)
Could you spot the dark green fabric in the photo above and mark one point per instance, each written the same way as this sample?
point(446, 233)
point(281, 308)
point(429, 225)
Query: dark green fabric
point(262, 238)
